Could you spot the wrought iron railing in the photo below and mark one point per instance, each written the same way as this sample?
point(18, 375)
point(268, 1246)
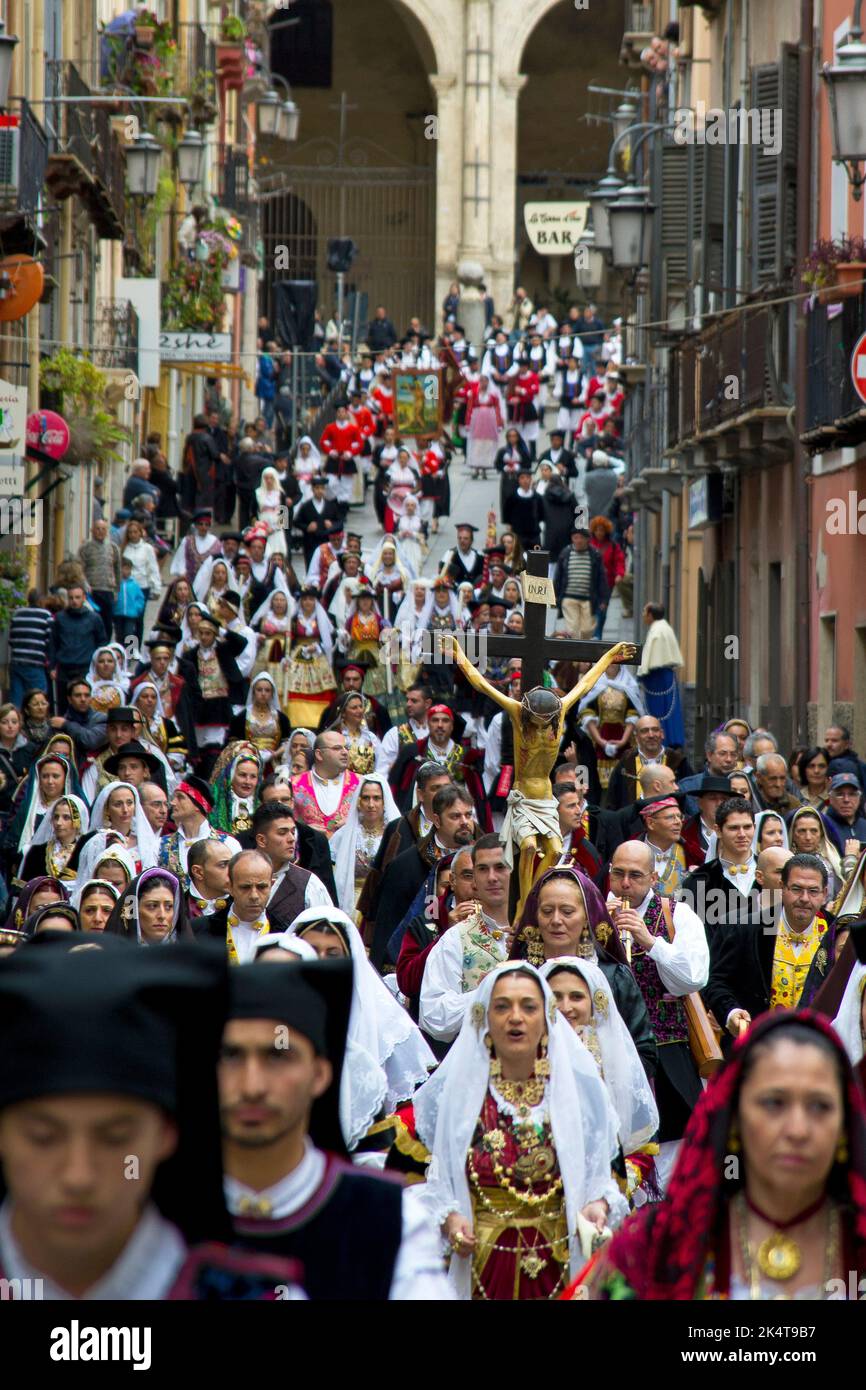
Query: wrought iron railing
point(235, 183)
point(23, 157)
point(114, 332)
point(82, 131)
point(831, 396)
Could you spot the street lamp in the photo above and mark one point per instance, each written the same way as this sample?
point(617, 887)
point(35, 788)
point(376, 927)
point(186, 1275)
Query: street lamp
point(631, 216)
point(623, 117)
point(7, 48)
point(190, 157)
point(269, 110)
point(599, 199)
point(588, 262)
point(846, 93)
point(143, 158)
point(291, 119)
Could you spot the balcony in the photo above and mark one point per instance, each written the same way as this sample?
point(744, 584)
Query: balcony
point(732, 395)
point(85, 157)
point(835, 414)
point(235, 181)
point(114, 333)
point(23, 157)
point(639, 29)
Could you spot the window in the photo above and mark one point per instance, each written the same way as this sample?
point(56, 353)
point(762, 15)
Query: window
point(302, 43)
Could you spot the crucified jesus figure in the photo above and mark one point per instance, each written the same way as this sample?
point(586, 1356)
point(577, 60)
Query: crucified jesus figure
point(537, 721)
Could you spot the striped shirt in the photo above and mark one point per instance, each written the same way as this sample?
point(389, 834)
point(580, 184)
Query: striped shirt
point(30, 636)
point(579, 583)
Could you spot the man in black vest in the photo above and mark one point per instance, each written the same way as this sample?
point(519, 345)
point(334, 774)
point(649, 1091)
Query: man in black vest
point(312, 851)
point(246, 917)
point(275, 833)
point(358, 1236)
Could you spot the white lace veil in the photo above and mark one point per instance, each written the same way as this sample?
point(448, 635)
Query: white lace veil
point(386, 1056)
point(622, 1069)
point(202, 582)
point(280, 587)
point(583, 1120)
point(344, 843)
point(146, 837)
point(759, 821)
point(105, 844)
point(46, 829)
point(295, 945)
point(847, 1020)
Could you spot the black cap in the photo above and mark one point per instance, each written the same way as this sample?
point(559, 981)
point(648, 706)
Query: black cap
point(465, 526)
point(142, 1023)
point(314, 998)
point(232, 599)
point(202, 512)
point(557, 434)
point(232, 536)
point(198, 784)
point(207, 617)
point(123, 714)
point(712, 783)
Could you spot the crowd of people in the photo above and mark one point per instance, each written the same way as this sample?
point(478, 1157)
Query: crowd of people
point(253, 747)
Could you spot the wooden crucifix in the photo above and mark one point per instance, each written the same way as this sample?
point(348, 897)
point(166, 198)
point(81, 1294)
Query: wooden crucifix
point(534, 648)
point(537, 722)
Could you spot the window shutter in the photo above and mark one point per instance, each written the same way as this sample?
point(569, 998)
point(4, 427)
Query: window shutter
point(674, 200)
point(695, 219)
point(713, 228)
point(775, 90)
point(790, 66)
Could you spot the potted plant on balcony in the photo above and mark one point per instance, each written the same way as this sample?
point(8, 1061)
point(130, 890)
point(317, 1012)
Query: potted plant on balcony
point(94, 432)
point(230, 46)
point(146, 25)
point(835, 269)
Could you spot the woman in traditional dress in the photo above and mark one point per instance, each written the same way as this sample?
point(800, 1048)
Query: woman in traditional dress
point(401, 479)
point(214, 579)
point(189, 629)
point(158, 730)
point(272, 508)
point(584, 998)
point(237, 784)
point(565, 915)
point(770, 832)
point(355, 845)
point(95, 904)
point(484, 422)
point(118, 807)
point(390, 579)
point(787, 1219)
point(365, 750)
point(522, 1134)
point(310, 676)
point(53, 844)
point(50, 776)
point(273, 621)
point(112, 864)
point(515, 560)
point(513, 594)
point(177, 599)
point(807, 834)
point(35, 894)
point(307, 464)
point(608, 714)
point(107, 686)
point(263, 723)
point(151, 910)
point(410, 541)
point(569, 388)
point(364, 625)
point(386, 1055)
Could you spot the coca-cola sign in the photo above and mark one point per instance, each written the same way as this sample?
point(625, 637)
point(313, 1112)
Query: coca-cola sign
point(48, 431)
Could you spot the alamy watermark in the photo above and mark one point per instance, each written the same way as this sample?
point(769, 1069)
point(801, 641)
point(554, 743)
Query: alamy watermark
point(703, 125)
point(22, 516)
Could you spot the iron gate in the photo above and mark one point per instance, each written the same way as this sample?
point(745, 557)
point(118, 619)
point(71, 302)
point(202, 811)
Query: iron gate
point(388, 212)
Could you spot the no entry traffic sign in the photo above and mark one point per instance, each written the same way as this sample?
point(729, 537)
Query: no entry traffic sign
point(858, 367)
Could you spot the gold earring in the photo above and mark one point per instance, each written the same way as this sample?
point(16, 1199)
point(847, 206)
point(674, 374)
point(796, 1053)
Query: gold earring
point(542, 1065)
point(842, 1149)
point(734, 1140)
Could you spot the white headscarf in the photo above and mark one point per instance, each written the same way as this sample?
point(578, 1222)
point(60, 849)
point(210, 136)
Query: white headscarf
point(264, 609)
point(269, 496)
point(847, 1021)
point(105, 844)
point(26, 837)
point(313, 462)
point(386, 1057)
point(46, 829)
point(147, 840)
point(759, 821)
point(621, 1067)
point(326, 632)
point(294, 944)
point(431, 605)
point(105, 886)
point(407, 616)
point(274, 703)
point(853, 891)
point(624, 681)
point(187, 640)
point(201, 585)
point(159, 712)
point(344, 843)
point(583, 1121)
point(120, 678)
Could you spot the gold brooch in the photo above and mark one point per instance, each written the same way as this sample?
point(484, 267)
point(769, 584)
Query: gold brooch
point(602, 932)
point(599, 1002)
point(821, 959)
point(477, 1016)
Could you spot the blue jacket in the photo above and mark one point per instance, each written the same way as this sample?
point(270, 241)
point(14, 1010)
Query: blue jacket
point(266, 381)
point(77, 634)
point(130, 602)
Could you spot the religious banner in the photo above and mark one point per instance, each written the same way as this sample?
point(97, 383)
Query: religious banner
point(418, 403)
point(554, 228)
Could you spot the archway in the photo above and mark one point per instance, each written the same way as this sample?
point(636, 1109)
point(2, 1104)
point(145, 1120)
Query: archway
point(363, 167)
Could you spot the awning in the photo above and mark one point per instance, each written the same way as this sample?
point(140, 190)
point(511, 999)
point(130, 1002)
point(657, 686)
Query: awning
point(226, 369)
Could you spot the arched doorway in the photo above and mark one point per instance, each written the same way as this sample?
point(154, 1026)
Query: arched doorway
point(362, 167)
point(559, 155)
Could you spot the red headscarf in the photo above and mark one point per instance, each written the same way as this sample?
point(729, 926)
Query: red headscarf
point(661, 1251)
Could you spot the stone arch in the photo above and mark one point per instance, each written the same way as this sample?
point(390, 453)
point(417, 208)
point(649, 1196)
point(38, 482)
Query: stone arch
point(514, 29)
point(425, 23)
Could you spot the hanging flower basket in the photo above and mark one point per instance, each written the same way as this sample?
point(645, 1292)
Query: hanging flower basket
point(144, 35)
point(836, 270)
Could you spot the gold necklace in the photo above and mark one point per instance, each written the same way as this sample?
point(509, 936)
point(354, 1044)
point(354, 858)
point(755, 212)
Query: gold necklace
point(779, 1257)
point(523, 1095)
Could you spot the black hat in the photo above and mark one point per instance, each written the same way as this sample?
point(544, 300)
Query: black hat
point(495, 552)
point(198, 785)
point(137, 1023)
point(134, 749)
point(315, 998)
point(208, 617)
point(232, 599)
point(466, 526)
point(122, 714)
point(354, 536)
point(494, 602)
point(319, 478)
point(202, 512)
point(232, 536)
point(309, 591)
point(557, 434)
point(712, 783)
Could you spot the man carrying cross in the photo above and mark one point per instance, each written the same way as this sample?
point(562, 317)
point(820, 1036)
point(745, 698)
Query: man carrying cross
point(537, 722)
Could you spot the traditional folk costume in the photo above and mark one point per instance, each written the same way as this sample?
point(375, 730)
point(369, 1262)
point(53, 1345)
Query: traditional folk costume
point(363, 642)
point(310, 674)
point(522, 412)
point(215, 684)
point(231, 812)
point(210, 587)
point(266, 730)
point(609, 707)
point(125, 916)
point(160, 731)
point(324, 805)
point(519, 1161)
point(272, 659)
point(682, 1248)
point(354, 849)
point(660, 658)
point(192, 553)
point(341, 443)
point(46, 855)
point(402, 479)
point(106, 694)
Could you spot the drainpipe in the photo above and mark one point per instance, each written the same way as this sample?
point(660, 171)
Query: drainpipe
point(801, 470)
